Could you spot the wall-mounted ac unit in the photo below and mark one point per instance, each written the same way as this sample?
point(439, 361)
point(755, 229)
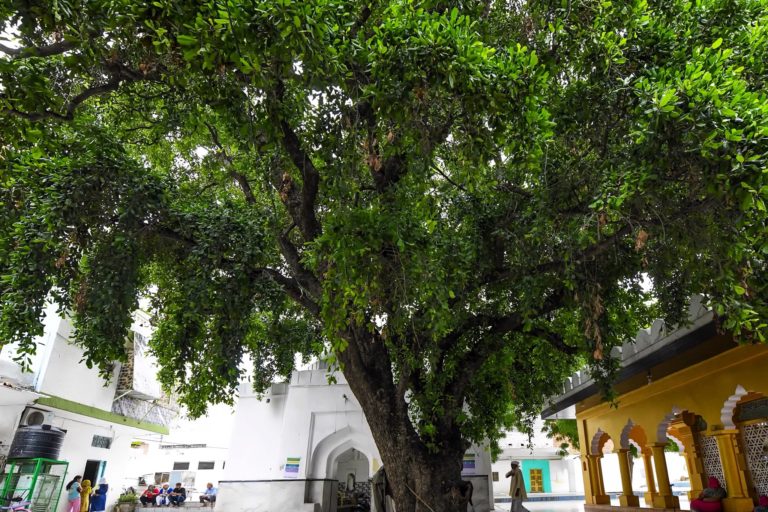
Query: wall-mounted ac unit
point(33, 416)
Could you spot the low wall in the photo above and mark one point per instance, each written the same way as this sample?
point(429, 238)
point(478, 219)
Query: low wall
point(313, 495)
point(482, 495)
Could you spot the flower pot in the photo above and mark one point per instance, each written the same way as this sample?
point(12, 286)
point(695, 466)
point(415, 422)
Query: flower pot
point(125, 507)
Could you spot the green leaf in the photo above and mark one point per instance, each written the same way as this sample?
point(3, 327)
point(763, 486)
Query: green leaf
point(185, 40)
point(717, 43)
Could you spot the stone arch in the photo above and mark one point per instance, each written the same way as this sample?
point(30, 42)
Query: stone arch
point(598, 442)
point(632, 433)
point(729, 406)
point(661, 431)
point(678, 442)
point(327, 450)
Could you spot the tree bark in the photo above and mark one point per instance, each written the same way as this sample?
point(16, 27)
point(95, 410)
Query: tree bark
point(420, 480)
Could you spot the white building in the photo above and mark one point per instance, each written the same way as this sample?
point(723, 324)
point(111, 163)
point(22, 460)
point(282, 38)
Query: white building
point(297, 446)
point(100, 420)
point(194, 453)
point(545, 470)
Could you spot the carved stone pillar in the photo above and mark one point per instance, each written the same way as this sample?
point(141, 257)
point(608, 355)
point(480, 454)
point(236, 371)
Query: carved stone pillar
point(649, 478)
point(664, 499)
point(735, 471)
point(627, 498)
point(596, 480)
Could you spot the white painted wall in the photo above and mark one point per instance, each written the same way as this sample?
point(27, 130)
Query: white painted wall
point(57, 370)
point(87, 388)
point(316, 422)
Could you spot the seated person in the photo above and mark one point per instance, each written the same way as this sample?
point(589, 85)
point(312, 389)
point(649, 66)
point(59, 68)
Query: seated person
point(762, 504)
point(148, 496)
point(178, 495)
point(163, 495)
point(209, 494)
point(710, 498)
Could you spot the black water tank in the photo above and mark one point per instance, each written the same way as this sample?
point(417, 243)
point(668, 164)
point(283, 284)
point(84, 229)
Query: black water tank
point(39, 441)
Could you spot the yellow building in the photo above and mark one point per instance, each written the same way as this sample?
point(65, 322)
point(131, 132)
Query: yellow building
point(692, 385)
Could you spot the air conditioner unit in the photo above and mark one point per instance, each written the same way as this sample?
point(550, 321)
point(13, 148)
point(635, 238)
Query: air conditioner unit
point(33, 416)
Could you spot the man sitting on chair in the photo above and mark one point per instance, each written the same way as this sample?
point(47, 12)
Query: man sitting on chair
point(209, 495)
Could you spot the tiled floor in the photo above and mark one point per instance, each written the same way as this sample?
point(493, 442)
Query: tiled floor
point(548, 506)
point(570, 505)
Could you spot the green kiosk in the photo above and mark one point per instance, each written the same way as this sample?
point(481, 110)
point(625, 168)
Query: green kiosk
point(33, 475)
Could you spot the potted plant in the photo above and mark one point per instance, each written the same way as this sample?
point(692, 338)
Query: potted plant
point(127, 502)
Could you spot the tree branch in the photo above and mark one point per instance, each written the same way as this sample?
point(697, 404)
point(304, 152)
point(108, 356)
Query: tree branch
point(554, 339)
point(303, 275)
point(302, 209)
point(240, 178)
point(120, 74)
point(293, 289)
point(38, 51)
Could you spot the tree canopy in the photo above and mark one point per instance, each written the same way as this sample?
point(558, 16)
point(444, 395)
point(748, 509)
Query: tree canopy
point(455, 201)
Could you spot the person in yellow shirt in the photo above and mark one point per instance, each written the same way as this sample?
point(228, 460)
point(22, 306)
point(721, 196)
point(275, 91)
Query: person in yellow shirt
point(85, 496)
point(516, 487)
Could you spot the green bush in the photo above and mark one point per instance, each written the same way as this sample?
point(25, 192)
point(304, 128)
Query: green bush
point(128, 498)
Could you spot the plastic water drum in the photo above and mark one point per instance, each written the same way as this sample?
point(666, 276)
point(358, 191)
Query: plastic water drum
point(38, 441)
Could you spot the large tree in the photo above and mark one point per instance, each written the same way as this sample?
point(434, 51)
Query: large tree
point(455, 202)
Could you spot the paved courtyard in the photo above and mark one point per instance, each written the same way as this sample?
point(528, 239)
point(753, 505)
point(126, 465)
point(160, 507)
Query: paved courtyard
point(572, 505)
point(548, 506)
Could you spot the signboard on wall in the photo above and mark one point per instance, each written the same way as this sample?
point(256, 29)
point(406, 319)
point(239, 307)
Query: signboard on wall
point(468, 466)
point(292, 467)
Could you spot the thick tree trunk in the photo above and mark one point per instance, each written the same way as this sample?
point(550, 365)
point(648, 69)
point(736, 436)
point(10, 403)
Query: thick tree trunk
point(420, 480)
point(424, 482)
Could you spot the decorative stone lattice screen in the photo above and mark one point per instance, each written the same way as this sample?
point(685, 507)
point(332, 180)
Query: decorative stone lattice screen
point(756, 448)
point(710, 455)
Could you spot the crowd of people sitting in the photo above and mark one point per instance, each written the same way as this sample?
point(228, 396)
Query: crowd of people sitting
point(166, 497)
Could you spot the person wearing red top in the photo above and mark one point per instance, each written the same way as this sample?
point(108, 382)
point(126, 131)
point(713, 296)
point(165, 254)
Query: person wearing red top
point(148, 496)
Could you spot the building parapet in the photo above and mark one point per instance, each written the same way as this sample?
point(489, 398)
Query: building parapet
point(650, 342)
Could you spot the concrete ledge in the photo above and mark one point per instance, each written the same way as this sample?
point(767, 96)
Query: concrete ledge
point(611, 508)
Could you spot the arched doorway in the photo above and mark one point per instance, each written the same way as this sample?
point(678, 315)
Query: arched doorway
point(594, 467)
point(352, 470)
point(640, 464)
point(747, 411)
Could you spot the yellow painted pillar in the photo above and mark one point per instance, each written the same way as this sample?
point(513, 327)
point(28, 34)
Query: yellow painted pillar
point(664, 499)
point(693, 462)
point(649, 478)
point(586, 464)
point(597, 489)
point(627, 498)
point(735, 471)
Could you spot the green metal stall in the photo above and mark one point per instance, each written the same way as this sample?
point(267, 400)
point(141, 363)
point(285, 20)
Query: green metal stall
point(37, 480)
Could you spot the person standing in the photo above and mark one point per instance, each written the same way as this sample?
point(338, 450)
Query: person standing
point(99, 500)
point(85, 495)
point(73, 494)
point(516, 487)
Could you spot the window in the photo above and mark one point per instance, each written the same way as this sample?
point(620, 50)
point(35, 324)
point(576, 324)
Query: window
point(101, 442)
point(178, 466)
point(495, 475)
point(537, 480)
point(206, 465)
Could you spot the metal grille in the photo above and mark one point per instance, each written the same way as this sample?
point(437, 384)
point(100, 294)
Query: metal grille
point(756, 448)
point(710, 455)
point(101, 442)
